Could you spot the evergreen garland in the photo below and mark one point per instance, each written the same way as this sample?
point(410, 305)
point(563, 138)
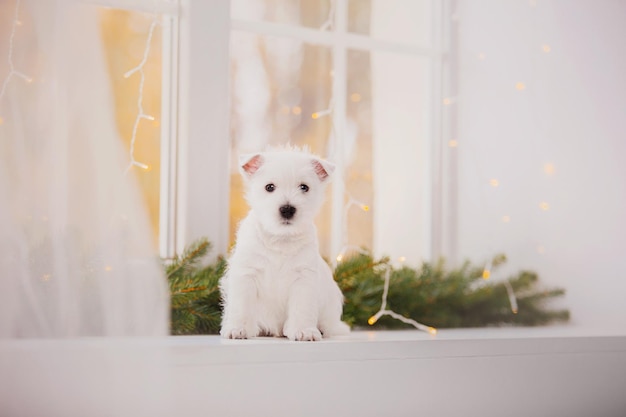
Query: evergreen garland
point(432, 294)
point(194, 291)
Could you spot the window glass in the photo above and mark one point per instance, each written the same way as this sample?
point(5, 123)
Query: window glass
point(402, 21)
point(307, 13)
point(277, 85)
point(125, 37)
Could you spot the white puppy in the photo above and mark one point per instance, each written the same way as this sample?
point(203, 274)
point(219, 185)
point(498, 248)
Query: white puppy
point(277, 284)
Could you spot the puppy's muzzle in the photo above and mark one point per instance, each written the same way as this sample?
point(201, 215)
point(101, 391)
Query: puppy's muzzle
point(287, 211)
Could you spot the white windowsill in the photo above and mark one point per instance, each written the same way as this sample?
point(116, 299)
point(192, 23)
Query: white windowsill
point(548, 371)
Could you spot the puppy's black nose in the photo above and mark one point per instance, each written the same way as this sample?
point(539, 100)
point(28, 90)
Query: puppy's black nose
point(287, 211)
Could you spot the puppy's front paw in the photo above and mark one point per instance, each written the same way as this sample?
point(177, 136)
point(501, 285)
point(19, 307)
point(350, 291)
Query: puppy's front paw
point(234, 333)
point(238, 332)
point(307, 334)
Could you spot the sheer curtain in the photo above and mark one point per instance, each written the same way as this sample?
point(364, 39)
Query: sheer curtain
point(76, 253)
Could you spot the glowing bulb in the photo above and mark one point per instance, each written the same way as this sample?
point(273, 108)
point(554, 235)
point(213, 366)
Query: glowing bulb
point(402, 259)
point(355, 97)
point(506, 219)
point(156, 123)
point(546, 48)
point(486, 274)
point(108, 268)
point(147, 167)
point(296, 110)
point(494, 182)
point(548, 168)
point(432, 331)
point(315, 115)
point(514, 310)
point(339, 258)
point(447, 101)
point(372, 320)
point(46, 277)
point(544, 206)
point(520, 86)
point(453, 143)
point(365, 207)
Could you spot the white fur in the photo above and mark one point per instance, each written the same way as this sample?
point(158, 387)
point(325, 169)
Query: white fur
point(277, 284)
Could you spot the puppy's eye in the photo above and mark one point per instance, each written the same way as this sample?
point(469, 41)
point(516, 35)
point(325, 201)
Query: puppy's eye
point(304, 188)
point(270, 187)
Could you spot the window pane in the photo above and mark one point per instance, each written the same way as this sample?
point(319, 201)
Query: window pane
point(125, 36)
point(308, 13)
point(277, 85)
point(404, 21)
point(401, 113)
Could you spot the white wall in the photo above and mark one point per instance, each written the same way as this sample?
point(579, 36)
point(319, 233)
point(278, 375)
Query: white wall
point(571, 114)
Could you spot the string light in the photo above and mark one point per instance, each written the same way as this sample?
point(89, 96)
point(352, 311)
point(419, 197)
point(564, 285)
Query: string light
point(13, 72)
point(494, 182)
point(487, 271)
point(323, 113)
point(385, 312)
point(329, 23)
point(544, 206)
point(453, 143)
point(546, 48)
point(520, 86)
point(512, 298)
point(140, 113)
point(548, 168)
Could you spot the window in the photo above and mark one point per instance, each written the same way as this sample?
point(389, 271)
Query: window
point(351, 80)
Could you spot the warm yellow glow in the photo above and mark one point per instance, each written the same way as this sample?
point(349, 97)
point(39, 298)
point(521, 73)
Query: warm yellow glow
point(355, 97)
point(486, 274)
point(544, 206)
point(402, 259)
point(494, 182)
point(156, 123)
point(46, 277)
point(546, 48)
point(315, 115)
point(372, 320)
point(29, 80)
point(365, 207)
point(548, 168)
point(432, 331)
point(453, 143)
point(447, 101)
point(520, 86)
point(108, 268)
point(514, 310)
point(339, 258)
point(285, 110)
point(296, 110)
point(1, 120)
point(506, 219)
point(147, 167)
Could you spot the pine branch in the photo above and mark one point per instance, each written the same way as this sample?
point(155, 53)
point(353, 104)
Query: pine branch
point(432, 294)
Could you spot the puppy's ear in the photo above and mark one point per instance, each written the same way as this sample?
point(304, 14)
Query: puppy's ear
point(249, 164)
point(323, 169)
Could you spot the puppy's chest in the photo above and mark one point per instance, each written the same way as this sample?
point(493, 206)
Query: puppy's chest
point(275, 279)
